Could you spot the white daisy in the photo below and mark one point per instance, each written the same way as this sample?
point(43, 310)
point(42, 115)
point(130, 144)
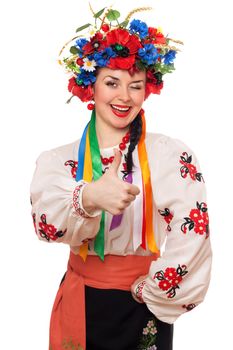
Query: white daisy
point(89, 65)
point(91, 31)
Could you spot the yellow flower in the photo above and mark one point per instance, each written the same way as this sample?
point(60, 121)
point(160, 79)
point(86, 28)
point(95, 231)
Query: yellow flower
point(92, 30)
point(160, 30)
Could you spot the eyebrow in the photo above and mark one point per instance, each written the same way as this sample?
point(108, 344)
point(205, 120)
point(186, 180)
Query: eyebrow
point(136, 81)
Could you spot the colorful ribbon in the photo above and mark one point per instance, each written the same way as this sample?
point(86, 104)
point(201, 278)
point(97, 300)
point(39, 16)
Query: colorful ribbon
point(90, 168)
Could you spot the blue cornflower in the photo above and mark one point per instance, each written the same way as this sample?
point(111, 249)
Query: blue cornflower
point(139, 27)
point(79, 44)
point(148, 54)
point(85, 77)
point(102, 58)
point(169, 57)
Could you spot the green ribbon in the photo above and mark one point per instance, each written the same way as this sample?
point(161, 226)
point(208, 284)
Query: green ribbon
point(97, 173)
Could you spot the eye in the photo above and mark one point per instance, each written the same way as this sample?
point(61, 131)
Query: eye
point(136, 87)
point(111, 83)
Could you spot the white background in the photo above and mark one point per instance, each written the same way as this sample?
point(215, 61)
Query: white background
point(194, 106)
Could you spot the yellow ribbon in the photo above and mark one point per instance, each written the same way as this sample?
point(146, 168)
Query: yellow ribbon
point(87, 176)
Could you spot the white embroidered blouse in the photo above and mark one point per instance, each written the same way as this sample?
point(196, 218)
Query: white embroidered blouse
point(178, 280)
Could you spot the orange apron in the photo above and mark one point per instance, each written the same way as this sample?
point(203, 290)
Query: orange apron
point(68, 319)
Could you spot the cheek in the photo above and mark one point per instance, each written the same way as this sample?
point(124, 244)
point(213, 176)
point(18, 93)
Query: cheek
point(139, 99)
point(102, 94)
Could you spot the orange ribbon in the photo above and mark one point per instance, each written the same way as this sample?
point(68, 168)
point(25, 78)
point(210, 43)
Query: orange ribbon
point(147, 198)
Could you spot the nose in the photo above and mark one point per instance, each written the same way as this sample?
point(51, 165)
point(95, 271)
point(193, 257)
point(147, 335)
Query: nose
point(124, 95)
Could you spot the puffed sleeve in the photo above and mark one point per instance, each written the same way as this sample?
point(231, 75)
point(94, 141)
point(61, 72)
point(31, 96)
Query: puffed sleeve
point(54, 211)
point(179, 279)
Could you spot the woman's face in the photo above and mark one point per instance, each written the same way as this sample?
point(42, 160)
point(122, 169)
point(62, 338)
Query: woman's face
point(118, 96)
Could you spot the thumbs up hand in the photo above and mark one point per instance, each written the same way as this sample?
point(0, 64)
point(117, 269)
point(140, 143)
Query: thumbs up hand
point(109, 193)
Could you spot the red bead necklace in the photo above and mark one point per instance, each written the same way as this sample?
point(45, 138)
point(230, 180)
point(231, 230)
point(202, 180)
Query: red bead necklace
point(122, 147)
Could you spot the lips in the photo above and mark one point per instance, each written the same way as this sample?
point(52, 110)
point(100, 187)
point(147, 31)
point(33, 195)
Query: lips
point(121, 110)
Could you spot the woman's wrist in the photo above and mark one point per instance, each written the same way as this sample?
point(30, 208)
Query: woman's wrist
point(86, 201)
point(87, 209)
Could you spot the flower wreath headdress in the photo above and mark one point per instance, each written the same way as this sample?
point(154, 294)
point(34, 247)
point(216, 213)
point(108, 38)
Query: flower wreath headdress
point(131, 46)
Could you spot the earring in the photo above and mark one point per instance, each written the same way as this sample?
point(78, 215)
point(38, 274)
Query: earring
point(90, 106)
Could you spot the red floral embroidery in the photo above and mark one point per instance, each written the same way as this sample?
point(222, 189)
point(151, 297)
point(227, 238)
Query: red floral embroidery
point(189, 168)
point(34, 221)
point(74, 166)
point(49, 231)
point(189, 307)
point(198, 220)
point(76, 200)
point(170, 278)
point(139, 289)
point(167, 215)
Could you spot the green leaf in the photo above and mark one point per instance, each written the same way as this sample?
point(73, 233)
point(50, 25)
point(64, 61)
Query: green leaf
point(74, 50)
point(140, 65)
point(164, 68)
point(124, 24)
point(99, 13)
point(112, 15)
point(83, 27)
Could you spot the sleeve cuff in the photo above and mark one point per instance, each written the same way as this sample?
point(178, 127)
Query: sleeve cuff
point(138, 290)
point(77, 201)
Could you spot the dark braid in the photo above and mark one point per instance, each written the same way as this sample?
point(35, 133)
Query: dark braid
point(135, 134)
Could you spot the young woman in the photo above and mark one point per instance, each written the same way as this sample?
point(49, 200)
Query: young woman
point(116, 195)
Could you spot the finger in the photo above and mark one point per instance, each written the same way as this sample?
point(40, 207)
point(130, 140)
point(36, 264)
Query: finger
point(116, 161)
point(130, 198)
point(133, 189)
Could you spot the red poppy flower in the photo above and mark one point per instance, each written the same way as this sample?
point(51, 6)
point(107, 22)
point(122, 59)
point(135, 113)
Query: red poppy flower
point(121, 62)
point(164, 285)
point(170, 273)
point(122, 38)
point(84, 93)
point(96, 44)
point(195, 215)
point(152, 89)
point(151, 85)
point(155, 37)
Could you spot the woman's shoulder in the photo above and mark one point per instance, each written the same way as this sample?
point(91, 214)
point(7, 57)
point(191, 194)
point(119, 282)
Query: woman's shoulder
point(167, 147)
point(68, 151)
point(165, 141)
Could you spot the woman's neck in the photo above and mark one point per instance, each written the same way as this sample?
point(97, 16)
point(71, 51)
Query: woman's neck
point(108, 136)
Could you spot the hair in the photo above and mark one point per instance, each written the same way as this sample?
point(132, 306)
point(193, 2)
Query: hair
point(135, 134)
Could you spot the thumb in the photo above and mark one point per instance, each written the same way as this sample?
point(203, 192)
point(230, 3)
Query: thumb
point(116, 161)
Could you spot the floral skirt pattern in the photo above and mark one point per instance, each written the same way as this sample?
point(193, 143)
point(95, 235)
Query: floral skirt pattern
point(115, 321)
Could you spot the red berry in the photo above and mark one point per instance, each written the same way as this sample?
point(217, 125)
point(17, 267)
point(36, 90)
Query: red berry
point(111, 159)
point(90, 106)
point(105, 161)
point(79, 61)
point(125, 139)
point(105, 28)
point(122, 146)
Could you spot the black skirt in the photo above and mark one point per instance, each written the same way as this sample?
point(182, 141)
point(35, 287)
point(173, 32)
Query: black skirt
point(115, 321)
